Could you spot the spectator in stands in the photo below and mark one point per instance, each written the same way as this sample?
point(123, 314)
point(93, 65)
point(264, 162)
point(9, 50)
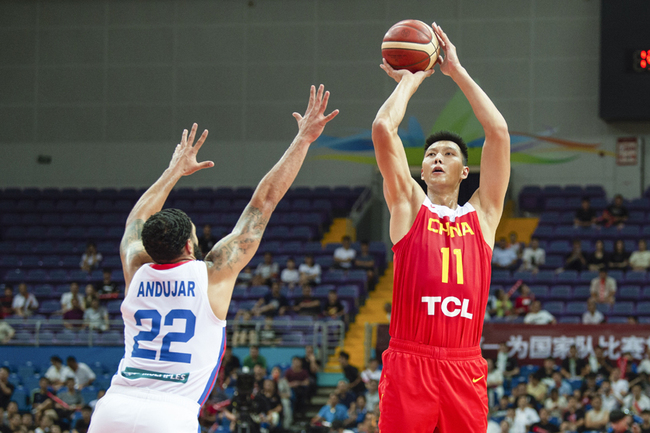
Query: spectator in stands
point(90, 294)
point(563, 387)
point(525, 416)
point(503, 305)
point(268, 270)
point(514, 244)
point(351, 373)
point(504, 257)
point(620, 386)
point(505, 363)
point(494, 383)
point(7, 332)
point(310, 271)
point(610, 402)
point(372, 372)
point(39, 399)
point(575, 260)
point(535, 387)
point(522, 303)
point(372, 395)
point(270, 404)
point(644, 365)
point(245, 277)
point(24, 303)
point(207, 239)
point(267, 334)
point(545, 374)
point(91, 258)
point(83, 375)
point(307, 305)
point(346, 397)
point(66, 298)
point(599, 259)
point(100, 394)
point(58, 373)
point(640, 259)
point(344, 255)
point(229, 365)
point(615, 214)
point(298, 379)
point(537, 316)
point(520, 391)
point(82, 424)
point(597, 417)
point(619, 259)
point(598, 363)
point(15, 423)
point(645, 426)
point(72, 401)
point(107, 285)
point(574, 417)
point(636, 402)
point(311, 363)
point(533, 256)
point(244, 330)
point(624, 364)
point(73, 318)
point(589, 388)
point(544, 425)
point(254, 358)
point(603, 288)
point(272, 304)
point(290, 275)
point(620, 422)
point(585, 215)
point(28, 421)
point(572, 365)
point(333, 308)
point(6, 302)
point(259, 374)
point(555, 403)
point(356, 413)
point(366, 261)
point(592, 316)
point(284, 391)
point(6, 388)
point(96, 317)
point(332, 411)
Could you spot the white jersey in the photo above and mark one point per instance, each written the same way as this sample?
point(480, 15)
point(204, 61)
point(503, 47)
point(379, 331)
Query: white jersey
point(173, 341)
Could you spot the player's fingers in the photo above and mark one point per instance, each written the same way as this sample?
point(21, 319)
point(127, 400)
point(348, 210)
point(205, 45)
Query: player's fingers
point(297, 116)
point(332, 115)
point(190, 139)
point(201, 140)
point(312, 96)
point(319, 95)
point(206, 164)
point(323, 105)
point(184, 138)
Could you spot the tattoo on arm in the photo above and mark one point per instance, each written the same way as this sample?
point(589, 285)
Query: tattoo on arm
point(132, 233)
point(242, 242)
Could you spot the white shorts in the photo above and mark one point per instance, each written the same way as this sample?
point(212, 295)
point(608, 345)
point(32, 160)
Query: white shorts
point(127, 409)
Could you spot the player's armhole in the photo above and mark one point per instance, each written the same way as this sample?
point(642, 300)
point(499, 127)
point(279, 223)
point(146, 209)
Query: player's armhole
point(398, 245)
point(206, 297)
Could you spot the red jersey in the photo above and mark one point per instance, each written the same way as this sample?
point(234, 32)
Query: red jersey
point(442, 278)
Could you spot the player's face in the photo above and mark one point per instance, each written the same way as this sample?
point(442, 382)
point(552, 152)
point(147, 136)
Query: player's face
point(195, 243)
point(443, 164)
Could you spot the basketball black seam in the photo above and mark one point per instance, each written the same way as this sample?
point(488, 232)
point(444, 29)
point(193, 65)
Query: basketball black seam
point(437, 50)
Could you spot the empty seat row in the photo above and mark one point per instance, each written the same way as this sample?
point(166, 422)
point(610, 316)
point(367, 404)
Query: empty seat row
point(577, 293)
point(567, 277)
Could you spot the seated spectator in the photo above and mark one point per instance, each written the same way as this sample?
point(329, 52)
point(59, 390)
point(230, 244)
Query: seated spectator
point(310, 272)
point(269, 404)
point(7, 332)
point(39, 398)
point(603, 288)
point(91, 258)
point(597, 417)
point(599, 259)
point(372, 396)
point(356, 413)
point(575, 260)
point(501, 409)
point(66, 298)
point(24, 303)
point(345, 396)
point(572, 365)
point(645, 426)
point(259, 374)
point(598, 363)
point(610, 402)
point(45, 425)
point(245, 277)
point(96, 317)
point(207, 240)
point(636, 402)
point(272, 304)
point(555, 403)
point(6, 302)
point(525, 416)
point(522, 303)
point(533, 256)
point(333, 307)
point(344, 255)
point(592, 316)
point(307, 305)
point(73, 318)
point(644, 365)
point(83, 375)
point(107, 286)
point(514, 244)
point(332, 411)
point(615, 214)
point(90, 294)
point(268, 270)
point(98, 397)
point(563, 387)
point(311, 364)
point(244, 332)
point(589, 388)
point(229, 365)
point(545, 374)
point(503, 305)
point(620, 386)
point(298, 379)
point(284, 391)
point(505, 363)
point(372, 372)
point(494, 383)
point(290, 275)
point(503, 257)
point(71, 401)
point(574, 417)
point(351, 373)
point(267, 334)
point(640, 259)
point(82, 424)
point(58, 373)
point(536, 388)
point(366, 261)
point(619, 259)
point(619, 422)
point(254, 358)
point(544, 425)
point(585, 215)
point(537, 316)
point(6, 388)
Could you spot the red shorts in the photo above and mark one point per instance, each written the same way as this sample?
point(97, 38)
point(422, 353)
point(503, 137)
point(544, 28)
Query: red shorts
point(426, 389)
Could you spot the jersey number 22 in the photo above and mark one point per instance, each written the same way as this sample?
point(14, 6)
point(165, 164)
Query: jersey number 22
point(181, 337)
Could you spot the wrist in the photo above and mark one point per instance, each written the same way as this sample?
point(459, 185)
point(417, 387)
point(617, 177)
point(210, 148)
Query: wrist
point(458, 73)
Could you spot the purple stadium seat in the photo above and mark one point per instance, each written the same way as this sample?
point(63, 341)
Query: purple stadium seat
point(560, 293)
point(569, 277)
point(14, 276)
point(645, 294)
point(113, 307)
point(58, 276)
point(636, 217)
point(545, 277)
point(559, 247)
point(553, 261)
point(617, 319)
point(46, 247)
point(587, 276)
point(635, 277)
point(257, 292)
point(239, 292)
point(10, 261)
point(643, 308)
point(575, 308)
point(604, 308)
point(555, 308)
point(323, 290)
point(628, 293)
point(30, 261)
point(569, 320)
point(623, 309)
point(333, 276)
point(49, 307)
point(540, 291)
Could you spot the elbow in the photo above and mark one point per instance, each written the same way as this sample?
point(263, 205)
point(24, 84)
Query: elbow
point(381, 127)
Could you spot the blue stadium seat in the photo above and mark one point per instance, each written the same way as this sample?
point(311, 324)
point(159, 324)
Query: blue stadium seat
point(617, 320)
point(643, 308)
point(629, 293)
point(645, 294)
point(603, 308)
point(575, 308)
point(559, 247)
point(567, 277)
point(540, 292)
point(635, 277)
point(560, 293)
point(555, 308)
point(623, 309)
point(569, 320)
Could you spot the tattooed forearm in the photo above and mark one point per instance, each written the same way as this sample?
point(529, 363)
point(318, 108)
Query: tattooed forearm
point(132, 233)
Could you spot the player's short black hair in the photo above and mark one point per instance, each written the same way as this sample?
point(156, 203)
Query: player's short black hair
point(345, 355)
point(165, 233)
point(448, 136)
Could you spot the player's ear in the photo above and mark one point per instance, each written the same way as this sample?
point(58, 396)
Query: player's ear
point(422, 173)
point(465, 172)
point(189, 247)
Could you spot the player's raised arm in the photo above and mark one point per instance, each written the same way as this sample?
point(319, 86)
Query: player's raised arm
point(183, 163)
point(495, 160)
point(403, 194)
point(232, 253)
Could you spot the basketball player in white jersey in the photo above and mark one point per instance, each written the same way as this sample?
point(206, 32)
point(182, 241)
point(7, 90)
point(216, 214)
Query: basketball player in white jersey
point(175, 305)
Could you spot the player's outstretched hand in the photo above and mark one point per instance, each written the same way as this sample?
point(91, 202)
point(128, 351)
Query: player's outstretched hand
point(399, 74)
point(311, 125)
point(449, 63)
point(184, 158)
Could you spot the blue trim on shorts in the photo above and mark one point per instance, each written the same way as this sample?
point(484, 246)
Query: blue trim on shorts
point(213, 375)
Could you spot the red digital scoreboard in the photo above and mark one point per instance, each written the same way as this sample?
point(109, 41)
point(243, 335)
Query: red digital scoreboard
point(641, 61)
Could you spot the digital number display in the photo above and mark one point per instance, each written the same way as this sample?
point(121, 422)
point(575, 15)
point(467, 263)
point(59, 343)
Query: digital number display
point(641, 61)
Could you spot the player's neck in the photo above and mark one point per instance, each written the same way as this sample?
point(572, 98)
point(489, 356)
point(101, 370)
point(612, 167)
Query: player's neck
point(444, 198)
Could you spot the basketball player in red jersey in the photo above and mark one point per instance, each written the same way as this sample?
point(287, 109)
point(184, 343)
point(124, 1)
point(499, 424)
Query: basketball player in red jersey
point(434, 377)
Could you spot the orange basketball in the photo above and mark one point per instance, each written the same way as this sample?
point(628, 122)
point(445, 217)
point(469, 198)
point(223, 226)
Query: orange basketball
point(410, 44)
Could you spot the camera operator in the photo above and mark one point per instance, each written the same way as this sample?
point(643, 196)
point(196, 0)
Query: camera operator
point(268, 407)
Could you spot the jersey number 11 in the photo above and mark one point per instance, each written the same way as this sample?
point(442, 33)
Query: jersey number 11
point(445, 265)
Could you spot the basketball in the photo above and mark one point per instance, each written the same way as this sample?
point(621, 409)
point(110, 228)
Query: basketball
point(410, 44)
